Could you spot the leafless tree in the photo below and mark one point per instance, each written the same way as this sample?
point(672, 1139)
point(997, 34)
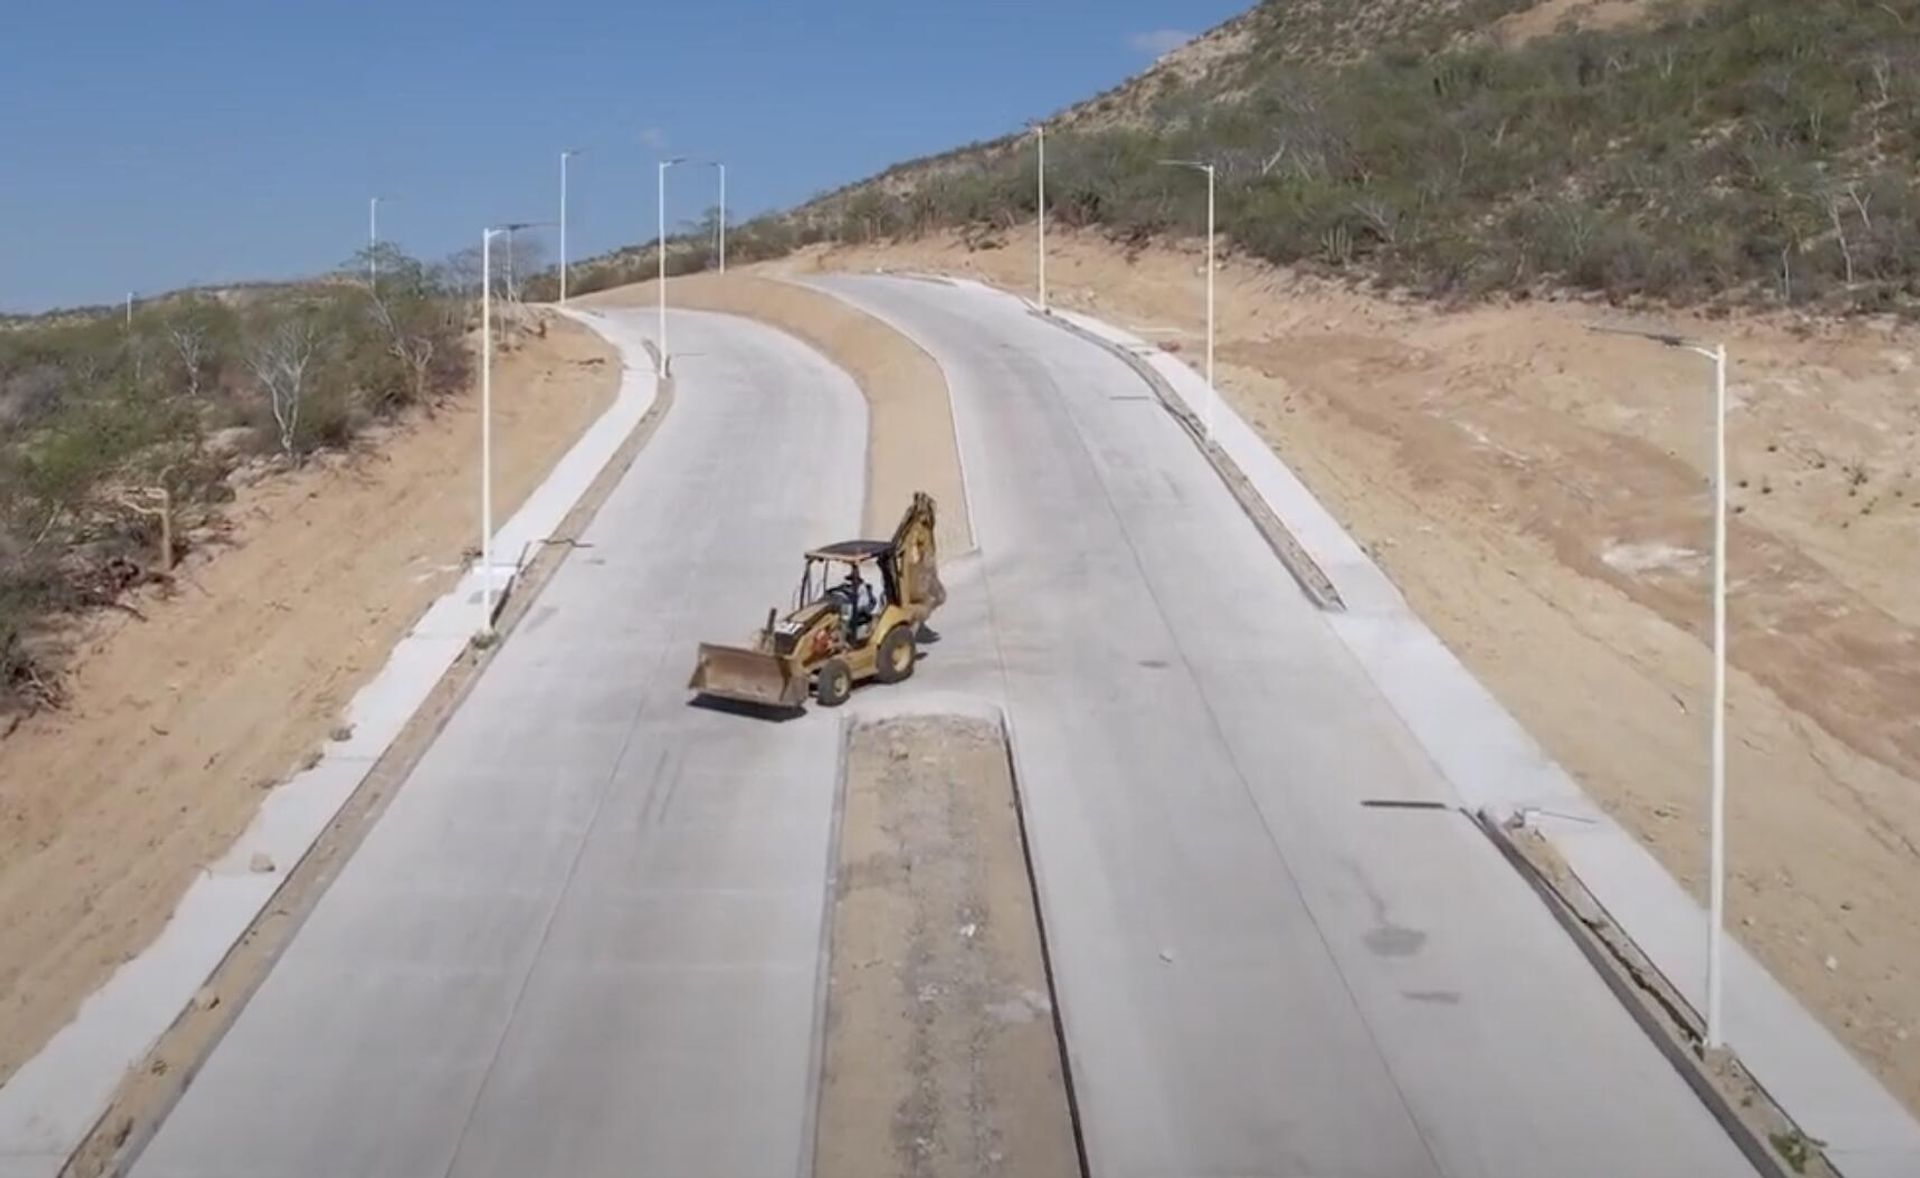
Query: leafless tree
point(155, 503)
point(191, 344)
point(415, 349)
point(1840, 232)
point(280, 363)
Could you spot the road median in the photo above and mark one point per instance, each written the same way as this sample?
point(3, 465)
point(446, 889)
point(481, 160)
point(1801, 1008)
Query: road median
point(910, 438)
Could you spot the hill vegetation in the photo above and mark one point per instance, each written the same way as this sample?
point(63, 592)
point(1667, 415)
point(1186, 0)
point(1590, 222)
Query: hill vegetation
point(118, 436)
point(1756, 152)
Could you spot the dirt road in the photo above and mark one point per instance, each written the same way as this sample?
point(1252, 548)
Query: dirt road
point(181, 722)
point(1539, 494)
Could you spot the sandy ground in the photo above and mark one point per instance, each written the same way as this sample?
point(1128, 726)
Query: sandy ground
point(910, 439)
point(941, 1058)
point(1539, 493)
point(1551, 16)
point(179, 724)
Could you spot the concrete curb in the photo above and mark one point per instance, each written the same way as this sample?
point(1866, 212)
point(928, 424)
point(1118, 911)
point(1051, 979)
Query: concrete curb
point(53, 1102)
point(1494, 765)
point(1638, 1004)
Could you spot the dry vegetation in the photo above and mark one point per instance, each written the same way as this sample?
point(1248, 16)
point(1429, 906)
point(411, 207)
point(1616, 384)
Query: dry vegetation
point(121, 436)
point(1740, 152)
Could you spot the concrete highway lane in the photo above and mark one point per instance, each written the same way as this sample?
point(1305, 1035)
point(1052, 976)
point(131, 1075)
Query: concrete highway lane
point(1256, 975)
point(585, 937)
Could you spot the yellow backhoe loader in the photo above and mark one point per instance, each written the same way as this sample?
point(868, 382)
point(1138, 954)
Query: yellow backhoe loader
point(856, 616)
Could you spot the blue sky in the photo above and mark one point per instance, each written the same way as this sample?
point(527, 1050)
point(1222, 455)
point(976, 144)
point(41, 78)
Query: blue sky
point(149, 145)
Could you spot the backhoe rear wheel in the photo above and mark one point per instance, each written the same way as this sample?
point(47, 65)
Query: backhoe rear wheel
point(833, 683)
point(897, 655)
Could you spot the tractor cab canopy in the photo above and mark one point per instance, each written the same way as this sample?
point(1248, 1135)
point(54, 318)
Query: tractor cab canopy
point(855, 555)
point(852, 551)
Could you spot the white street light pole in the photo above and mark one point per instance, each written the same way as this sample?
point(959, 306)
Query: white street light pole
point(373, 241)
point(129, 310)
point(564, 157)
point(1717, 800)
point(661, 247)
point(1213, 395)
point(486, 428)
point(1717, 887)
point(1040, 130)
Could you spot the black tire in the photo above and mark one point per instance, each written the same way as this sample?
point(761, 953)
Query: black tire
point(897, 655)
point(833, 683)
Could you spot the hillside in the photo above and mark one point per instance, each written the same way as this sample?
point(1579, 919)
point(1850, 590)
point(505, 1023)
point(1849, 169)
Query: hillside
point(1754, 152)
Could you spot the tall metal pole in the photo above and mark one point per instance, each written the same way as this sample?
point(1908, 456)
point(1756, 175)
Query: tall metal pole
point(486, 429)
point(129, 310)
point(1717, 789)
point(1213, 395)
point(373, 241)
point(723, 216)
point(1040, 129)
point(661, 247)
point(563, 226)
point(1717, 868)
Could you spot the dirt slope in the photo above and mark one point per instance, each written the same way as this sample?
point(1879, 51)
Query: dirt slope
point(181, 722)
point(1539, 494)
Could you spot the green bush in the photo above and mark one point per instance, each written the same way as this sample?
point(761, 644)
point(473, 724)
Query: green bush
point(1761, 150)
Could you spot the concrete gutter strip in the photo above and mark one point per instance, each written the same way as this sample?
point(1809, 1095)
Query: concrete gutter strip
point(52, 1103)
point(1494, 765)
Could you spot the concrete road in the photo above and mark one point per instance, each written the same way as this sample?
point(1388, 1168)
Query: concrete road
point(585, 937)
point(1257, 974)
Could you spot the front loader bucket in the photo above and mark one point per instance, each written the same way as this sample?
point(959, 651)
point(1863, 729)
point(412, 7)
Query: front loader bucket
point(747, 676)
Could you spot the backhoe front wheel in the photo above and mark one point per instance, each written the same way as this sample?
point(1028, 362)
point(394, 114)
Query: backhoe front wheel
point(897, 655)
point(833, 683)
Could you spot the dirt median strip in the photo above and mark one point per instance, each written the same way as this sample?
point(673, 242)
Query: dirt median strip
point(910, 438)
point(942, 1054)
point(155, 1085)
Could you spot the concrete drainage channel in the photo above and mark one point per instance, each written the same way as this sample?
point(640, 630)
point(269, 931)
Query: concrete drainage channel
point(941, 1051)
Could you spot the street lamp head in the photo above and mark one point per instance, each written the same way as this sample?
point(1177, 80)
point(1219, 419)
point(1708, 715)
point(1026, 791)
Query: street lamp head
point(1199, 165)
point(1671, 339)
point(570, 152)
point(672, 160)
